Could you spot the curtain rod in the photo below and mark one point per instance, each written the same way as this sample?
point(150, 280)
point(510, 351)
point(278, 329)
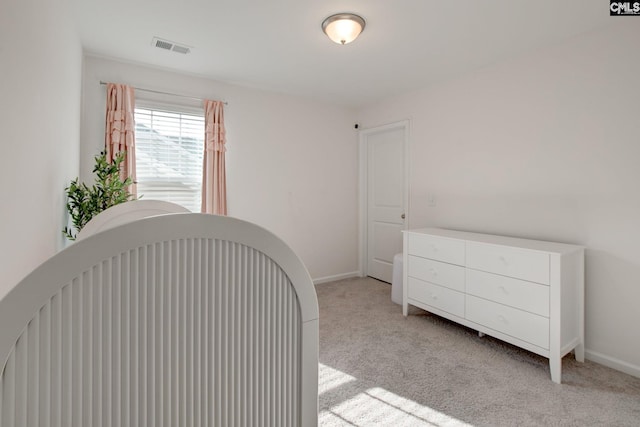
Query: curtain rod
point(167, 93)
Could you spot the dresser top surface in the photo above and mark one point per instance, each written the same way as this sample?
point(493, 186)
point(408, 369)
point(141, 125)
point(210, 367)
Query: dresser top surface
point(537, 245)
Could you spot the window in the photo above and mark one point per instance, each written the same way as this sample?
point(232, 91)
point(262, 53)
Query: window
point(169, 147)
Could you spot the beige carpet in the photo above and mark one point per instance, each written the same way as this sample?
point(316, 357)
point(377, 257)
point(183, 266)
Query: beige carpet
point(379, 369)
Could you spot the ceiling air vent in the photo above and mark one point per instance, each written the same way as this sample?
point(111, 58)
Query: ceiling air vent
point(169, 45)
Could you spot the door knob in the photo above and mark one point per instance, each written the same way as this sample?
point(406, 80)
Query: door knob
point(402, 216)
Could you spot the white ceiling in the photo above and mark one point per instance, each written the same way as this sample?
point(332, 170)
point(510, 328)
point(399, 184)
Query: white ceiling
point(279, 44)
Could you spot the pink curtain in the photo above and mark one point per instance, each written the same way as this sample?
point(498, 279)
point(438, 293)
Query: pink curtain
point(214, 181)
point(120, 129)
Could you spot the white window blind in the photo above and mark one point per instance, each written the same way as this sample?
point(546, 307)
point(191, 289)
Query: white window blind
point(169, 147)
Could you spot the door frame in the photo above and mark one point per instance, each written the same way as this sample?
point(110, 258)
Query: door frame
point(363, 186)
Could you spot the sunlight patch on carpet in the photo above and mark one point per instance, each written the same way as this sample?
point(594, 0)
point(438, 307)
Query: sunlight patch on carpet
point(330, 378)
point(374, 406)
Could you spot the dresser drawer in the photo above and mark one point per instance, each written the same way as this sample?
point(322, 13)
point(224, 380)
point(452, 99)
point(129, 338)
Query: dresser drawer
point(436, 296)
point(440, 273)
point(507, 261)
point(437, 248)
point(525, 326)
point(528, 296)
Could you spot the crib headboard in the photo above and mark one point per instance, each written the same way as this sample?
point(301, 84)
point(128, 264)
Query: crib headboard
point(174, 320)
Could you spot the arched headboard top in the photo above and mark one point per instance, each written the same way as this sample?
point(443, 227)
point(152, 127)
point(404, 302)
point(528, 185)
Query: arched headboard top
point(19, 305)
point(127, 212)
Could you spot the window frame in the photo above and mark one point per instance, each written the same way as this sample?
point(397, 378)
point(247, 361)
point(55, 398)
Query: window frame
point(173, 108)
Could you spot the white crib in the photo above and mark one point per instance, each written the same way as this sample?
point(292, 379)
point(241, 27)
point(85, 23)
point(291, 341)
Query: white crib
point(173, 320)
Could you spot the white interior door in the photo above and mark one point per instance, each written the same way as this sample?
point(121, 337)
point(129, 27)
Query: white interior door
point(386, 197)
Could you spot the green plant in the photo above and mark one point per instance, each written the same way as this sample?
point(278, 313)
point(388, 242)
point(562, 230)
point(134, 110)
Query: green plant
point(83, 202)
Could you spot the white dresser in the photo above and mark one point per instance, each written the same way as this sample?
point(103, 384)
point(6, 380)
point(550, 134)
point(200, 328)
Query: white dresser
point(529, 293)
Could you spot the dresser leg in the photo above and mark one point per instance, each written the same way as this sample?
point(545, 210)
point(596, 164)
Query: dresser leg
point(579, 351)
point(480, 334)
point(555, 365)
point(405, 310)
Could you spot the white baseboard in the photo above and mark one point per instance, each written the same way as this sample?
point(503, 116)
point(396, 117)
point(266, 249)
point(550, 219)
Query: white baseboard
point(336, 277)
point(612, 363)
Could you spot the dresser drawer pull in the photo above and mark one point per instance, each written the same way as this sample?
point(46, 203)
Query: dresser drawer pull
point(502, 319)
point(433, 272)
point(504, 260)
point(434, 297)
point(504, 291)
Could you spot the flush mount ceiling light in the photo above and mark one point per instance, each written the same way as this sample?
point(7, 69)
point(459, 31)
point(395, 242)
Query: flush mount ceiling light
point(343, 28)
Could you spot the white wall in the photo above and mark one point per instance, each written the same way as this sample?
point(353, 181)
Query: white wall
point(544, 146)
point(291, 163)
point(41, 71)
